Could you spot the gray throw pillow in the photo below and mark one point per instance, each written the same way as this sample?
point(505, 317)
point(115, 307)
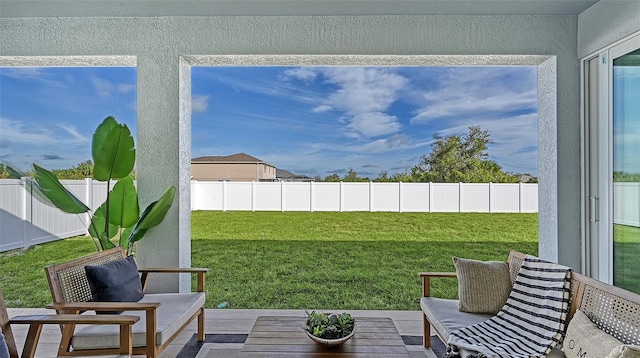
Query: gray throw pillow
point(585, 339)
point(483, 286)
point(115, 281)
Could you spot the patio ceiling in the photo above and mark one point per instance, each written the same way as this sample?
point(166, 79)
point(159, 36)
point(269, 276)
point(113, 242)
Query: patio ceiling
point(144, 8)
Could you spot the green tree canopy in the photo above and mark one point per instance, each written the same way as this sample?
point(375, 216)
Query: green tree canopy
point(465, 158)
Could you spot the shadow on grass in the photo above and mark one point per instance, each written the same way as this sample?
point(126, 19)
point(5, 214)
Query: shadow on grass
point(381, 275)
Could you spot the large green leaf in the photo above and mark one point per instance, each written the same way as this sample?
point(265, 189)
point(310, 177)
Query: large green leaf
point(123, 203)
point(62, 198)
point(113, 150)
point(97, 227)
point(153, 215)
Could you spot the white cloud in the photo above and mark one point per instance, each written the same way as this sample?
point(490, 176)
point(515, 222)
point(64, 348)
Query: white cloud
point(301, 73)
point(322, 108)
point(474, 91)
point(364, 95)
point(107, 89)
point(74, 133)
point(373, 124)
point(199, 103)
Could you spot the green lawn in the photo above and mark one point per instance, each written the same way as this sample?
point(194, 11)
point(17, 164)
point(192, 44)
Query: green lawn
point(309, 260)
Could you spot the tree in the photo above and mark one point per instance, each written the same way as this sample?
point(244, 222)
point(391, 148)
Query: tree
point(80, 171)
point(456, 158)
point(352, 176)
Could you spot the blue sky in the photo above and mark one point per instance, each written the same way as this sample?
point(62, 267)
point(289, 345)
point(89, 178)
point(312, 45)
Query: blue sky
point(309, 120)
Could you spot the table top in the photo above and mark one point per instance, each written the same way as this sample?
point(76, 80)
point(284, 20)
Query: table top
point(283, 336)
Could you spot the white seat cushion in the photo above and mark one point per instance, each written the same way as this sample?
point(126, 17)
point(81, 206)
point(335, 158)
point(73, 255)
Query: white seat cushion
point(175, 309)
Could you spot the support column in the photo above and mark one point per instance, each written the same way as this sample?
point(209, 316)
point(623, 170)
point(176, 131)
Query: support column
point(164, 140)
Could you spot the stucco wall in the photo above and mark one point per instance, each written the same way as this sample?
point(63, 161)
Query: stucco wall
point(164, 121)
point(605, 23)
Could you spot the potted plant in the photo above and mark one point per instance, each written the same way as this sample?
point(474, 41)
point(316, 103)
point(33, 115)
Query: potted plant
point(118, 219)
point(330, 329)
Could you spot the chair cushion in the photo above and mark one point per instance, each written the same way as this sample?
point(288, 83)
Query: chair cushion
point(4, 350)
point(174, 311)
point(115, 281)
point(483, 286)
point(445, 317)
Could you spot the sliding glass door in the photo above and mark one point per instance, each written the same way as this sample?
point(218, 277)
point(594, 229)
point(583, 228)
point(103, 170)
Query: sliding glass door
point(612, 165)
point(626, 165)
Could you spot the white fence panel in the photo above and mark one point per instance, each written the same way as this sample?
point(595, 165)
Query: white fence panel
point(239, 196)
point(415, 197)
point(505, 198)
point(268, 196)
point(355, 197)
point(326, 196)
point(385, 196)
point(626, 200)
point(475, 198)
point(207, 195)
point(297, 196)
point(12, 211)
point(445, 197)
point(528, 198)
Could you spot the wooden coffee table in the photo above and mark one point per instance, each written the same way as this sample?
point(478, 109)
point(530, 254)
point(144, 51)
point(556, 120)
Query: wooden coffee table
point(281, 336)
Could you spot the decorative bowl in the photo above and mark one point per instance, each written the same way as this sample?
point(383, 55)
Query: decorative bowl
point(328, 328)
point(332, 342)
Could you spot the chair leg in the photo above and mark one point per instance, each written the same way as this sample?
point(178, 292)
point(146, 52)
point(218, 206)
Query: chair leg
point(426, 329)
point(201, 325)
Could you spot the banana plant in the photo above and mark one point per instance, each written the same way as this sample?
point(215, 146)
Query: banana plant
point(118, 219)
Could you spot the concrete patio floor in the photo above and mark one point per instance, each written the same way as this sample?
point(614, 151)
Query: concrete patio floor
point(230, 321)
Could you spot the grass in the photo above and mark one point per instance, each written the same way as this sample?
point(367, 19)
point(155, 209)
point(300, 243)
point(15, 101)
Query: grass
point(626, 251)
point(308, 260)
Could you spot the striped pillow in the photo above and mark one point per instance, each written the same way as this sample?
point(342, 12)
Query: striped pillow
point(483, 286)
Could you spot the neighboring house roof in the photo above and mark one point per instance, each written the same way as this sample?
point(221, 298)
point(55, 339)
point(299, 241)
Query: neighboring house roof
point(284, 174)
point(233, 158)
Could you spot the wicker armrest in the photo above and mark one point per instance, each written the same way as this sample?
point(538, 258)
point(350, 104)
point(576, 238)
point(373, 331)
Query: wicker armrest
point(426, 280)
point(199, 271)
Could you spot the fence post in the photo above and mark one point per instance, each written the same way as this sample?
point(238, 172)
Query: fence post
point(224, 195)
point(459, 197)
point(27, 211)
point(282, 197)
point(520, 197)
point(341, 197)
point(370, 196)
point(311, 189)
point(88, 192)
point(400, 195)
point(430, 197)
point(490, 197)
point(253, 195)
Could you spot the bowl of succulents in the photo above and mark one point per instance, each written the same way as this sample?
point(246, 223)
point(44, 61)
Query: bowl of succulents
point(330, 328)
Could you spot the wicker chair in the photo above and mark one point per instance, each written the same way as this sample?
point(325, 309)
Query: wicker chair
point(36, 322)
point(162, 315)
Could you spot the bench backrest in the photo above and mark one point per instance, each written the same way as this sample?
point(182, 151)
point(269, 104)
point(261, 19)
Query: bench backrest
point(613, 309)
point(68, 281)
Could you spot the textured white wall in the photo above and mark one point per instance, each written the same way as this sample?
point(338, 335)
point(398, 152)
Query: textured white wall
point(605, 23)
point(163, 122)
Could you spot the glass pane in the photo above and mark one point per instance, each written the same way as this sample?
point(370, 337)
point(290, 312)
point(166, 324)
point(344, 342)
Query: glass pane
point(626, 171)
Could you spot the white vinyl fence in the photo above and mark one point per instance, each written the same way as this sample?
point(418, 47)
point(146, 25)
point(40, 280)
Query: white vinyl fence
point(369, 196)
point(25, 221)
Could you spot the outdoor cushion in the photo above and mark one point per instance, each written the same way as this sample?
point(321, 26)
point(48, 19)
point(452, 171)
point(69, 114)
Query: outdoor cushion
point(4, 350)
point(444, 314)
point(175, 309)
point(585, 339)
point(483, 286)
point(115, 281)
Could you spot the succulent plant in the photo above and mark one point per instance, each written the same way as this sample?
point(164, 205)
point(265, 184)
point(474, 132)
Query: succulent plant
point(329, 326)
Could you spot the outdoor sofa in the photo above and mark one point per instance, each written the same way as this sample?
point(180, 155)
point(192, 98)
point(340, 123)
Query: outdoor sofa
point(612, 310)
